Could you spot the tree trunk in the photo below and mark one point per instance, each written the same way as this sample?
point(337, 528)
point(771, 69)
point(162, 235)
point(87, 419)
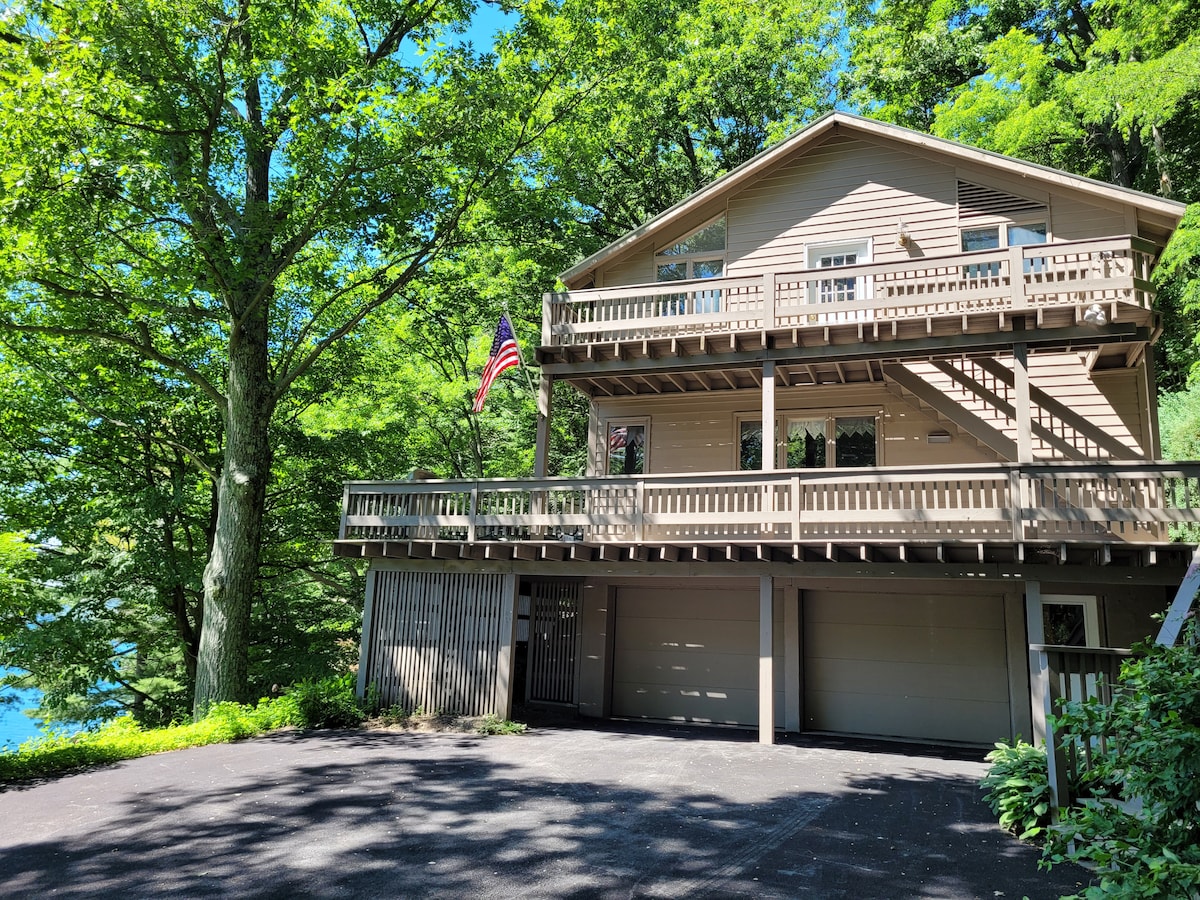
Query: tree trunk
point(232, 569)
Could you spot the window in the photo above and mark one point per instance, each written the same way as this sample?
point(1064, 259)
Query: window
point(626, 448)
point(700, 255)
point(840, 290)
point(1070, 621)
point(1015, 235)
point(807, 447)
point(813, 442)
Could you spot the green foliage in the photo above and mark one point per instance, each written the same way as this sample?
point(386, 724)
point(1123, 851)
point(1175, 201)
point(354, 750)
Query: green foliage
point(494, 725)
point(1108, 89)
point(328, 703)
point(1018, 788)
point(325, 703)
point(123, 738)
point(1143, 831)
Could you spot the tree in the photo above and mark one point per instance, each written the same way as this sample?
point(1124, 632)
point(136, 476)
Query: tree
point(227, 190)
point(1104, 88)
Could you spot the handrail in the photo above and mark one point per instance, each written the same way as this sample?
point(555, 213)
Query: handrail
point(1099, 500)
point(1109, 270)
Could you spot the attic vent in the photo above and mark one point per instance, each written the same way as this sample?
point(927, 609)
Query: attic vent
point(975, 201)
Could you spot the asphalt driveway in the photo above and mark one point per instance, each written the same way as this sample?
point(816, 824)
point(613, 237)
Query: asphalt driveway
point(560, 812)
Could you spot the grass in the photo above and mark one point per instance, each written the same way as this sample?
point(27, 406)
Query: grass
point(329, 703)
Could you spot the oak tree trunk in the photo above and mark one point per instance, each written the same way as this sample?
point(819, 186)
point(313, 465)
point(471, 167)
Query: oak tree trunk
point(232, 569)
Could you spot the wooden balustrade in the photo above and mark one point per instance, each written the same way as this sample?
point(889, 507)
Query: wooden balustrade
point(1110, 271)
point(1062, 675)
point(1063, 501)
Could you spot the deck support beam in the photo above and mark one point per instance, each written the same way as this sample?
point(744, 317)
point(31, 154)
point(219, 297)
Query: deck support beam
point(768, 416)
point(541, 450)
point(1035, 634)
point(766, 659)
point(1021, 388)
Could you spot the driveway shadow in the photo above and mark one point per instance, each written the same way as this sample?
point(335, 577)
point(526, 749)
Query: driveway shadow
point(557, 813)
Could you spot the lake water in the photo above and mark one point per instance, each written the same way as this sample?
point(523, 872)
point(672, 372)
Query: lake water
point(15, 726)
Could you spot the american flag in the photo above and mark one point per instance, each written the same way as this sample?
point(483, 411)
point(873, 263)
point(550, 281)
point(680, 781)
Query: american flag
point(504, 355)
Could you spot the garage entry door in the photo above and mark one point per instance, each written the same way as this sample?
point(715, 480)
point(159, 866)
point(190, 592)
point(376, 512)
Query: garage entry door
point(688, 655)
point(906, 665)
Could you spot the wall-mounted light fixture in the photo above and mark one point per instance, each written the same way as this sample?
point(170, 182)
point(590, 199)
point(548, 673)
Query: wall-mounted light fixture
point(902, 236)
point(938, 437)
point(1095, 315)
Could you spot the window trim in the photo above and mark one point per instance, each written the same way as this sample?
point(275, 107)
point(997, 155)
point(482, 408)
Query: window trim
point(616, 422)
point(829, 414)
point(1091, 614)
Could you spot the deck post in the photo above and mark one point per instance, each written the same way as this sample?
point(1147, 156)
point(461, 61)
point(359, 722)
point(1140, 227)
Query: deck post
point(541, 450)
point(766, 660)
point(1023, 401)
point(768, 416)
point(368, 637)
point(1035, 633)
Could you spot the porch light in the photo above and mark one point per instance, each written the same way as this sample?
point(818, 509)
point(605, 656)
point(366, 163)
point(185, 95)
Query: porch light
point(938, 437)
point(1095, 315)
point(902, 235)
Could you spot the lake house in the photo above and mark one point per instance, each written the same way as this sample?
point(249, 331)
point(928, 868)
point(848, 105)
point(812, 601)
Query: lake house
point(870, 415)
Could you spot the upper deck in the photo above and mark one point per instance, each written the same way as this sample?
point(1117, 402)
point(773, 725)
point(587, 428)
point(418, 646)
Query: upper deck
point(1087, 294)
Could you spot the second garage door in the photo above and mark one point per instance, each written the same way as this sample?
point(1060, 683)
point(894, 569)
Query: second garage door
point(906, 665)
point(689, 655)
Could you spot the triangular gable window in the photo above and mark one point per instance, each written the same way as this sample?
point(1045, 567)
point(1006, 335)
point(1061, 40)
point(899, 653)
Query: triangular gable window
point(699, 255)
point(709, 239)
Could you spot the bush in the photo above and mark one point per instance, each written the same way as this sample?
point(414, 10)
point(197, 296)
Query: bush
point(1152, 762)
point(1018, 788)
point(328, 703)
point(494, 725)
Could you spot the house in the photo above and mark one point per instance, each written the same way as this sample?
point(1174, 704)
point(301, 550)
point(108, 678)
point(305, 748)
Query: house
point(950, 350)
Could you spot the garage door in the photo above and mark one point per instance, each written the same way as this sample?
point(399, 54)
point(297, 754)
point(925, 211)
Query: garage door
point(905, 665)
point(688, 655)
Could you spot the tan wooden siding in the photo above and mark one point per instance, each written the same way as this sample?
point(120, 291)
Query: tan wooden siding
point(1079, 402)
point(906, 665)
point(843, 190)
point(696, 433)
point(440, 641)
point(691, 655)
point(851, 188)
point(637, 269)
point(1109, 400)
point(1071, 218)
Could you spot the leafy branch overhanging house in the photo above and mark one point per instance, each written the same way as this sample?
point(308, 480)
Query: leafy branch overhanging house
point(952, 351)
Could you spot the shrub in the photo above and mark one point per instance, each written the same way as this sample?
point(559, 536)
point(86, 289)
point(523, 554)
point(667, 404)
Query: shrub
point(1018, 788)
point(328, 703)
point(1152, 762)
point(494, 725)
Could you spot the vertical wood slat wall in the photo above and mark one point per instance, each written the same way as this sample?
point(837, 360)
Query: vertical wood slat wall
point(554, 641)
point(440, 641)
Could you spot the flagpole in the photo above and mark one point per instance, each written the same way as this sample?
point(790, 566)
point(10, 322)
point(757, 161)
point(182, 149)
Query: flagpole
point(520, 352)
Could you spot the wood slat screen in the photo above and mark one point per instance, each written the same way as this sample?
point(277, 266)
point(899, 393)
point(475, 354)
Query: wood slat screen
point(553, 640)
point(439, 641)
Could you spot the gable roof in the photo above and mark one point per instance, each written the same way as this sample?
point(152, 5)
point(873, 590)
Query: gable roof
point(1157, 212)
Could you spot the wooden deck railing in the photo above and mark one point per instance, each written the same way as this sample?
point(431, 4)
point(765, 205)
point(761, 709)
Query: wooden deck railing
point(1098, 501)
point(1111, 272)
point(1062, 675)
